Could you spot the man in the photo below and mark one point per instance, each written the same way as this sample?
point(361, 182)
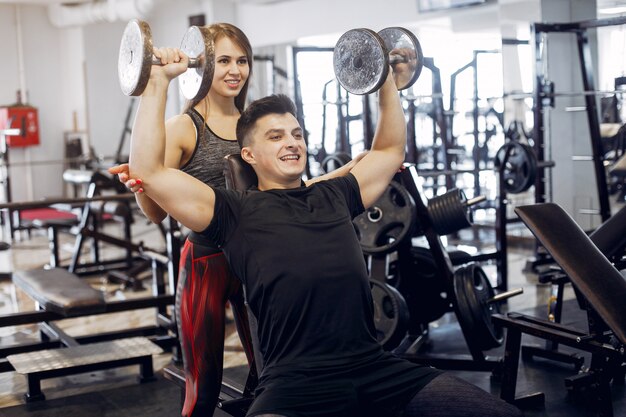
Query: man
point(297, 255)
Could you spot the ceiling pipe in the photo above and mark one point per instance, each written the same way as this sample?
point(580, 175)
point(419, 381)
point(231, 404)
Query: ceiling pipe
point(62, 16)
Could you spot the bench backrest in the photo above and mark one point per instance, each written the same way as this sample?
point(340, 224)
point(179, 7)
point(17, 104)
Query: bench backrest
point(240, 176)
point(589, 270)
point(610, 236)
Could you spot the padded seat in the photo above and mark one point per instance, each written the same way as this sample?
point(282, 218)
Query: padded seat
point(60, 291)
point(239, 175)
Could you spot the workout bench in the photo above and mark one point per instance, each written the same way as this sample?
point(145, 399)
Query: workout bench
point(60, 294)
point(603, 289)
point(610, 239)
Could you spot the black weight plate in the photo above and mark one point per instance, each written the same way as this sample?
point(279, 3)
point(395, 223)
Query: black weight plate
point(391, 314)
point(425, 289)
point(335, 160)
point(472, 290)
point(449, 212)
point(387, 222)
point(518, 164)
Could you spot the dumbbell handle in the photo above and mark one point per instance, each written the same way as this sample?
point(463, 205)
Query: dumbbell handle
point(397, 59)
point(505, 295)
point(193, 62)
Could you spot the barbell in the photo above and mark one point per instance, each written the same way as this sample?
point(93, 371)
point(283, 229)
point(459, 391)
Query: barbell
point(136, 57)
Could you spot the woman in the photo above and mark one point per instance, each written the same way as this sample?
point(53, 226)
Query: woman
point(196, 142)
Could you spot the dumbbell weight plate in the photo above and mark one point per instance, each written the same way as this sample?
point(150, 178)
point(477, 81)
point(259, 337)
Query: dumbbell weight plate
point(360, 61)
point(135, 57)
point(403, 44)
point(198, 43)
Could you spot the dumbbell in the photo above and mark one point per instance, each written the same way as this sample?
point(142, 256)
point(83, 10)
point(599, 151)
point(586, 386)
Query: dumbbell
point(362, 57)
point(136, 58)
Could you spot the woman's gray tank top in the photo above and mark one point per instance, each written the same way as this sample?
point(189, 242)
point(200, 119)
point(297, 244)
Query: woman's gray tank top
point(207, 160)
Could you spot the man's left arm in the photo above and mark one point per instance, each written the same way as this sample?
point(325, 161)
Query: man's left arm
point(377, 168)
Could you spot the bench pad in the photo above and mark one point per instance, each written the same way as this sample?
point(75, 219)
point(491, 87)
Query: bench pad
point(590, 271)
point(60, 291)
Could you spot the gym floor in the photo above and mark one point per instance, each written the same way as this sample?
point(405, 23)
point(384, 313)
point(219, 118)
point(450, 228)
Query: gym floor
point(116, 392)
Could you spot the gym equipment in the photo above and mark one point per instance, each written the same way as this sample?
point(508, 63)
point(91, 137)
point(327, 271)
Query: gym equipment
point(603, 289)
point(403, 48)
point(60, 294)
point(610, 239)
point(335, 160)
point(450, 212)
point(392, 217)
point(466, 291)
point(518, 165)
point(387, 222)
point(422, 286)
point(362, 57)
point(477, 302)
point(136, 59)
point(391, 314)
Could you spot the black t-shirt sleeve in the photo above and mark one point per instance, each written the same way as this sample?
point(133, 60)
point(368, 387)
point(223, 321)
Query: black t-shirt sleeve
point(348, 186)
point(227, 207)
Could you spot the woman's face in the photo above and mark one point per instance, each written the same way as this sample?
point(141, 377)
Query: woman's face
point(231, 68)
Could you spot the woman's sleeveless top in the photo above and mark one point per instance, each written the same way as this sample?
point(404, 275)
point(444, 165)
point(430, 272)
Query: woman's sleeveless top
point(207, 160)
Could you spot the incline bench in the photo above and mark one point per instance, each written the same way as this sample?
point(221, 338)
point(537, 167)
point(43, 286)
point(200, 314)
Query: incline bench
point(602, 287)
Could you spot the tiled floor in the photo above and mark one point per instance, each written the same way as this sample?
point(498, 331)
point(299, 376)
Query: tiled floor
point(98, 393)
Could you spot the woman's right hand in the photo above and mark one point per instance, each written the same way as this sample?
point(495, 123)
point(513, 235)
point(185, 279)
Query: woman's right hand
point(123, 175)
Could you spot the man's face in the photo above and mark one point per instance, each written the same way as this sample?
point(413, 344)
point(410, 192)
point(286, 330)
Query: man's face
point(277, 151)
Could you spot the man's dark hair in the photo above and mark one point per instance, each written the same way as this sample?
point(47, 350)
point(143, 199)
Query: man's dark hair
point(274, 104)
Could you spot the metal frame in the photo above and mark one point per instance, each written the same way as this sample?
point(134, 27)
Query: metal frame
point(604, 363)
point(477, 360)
point(539, 103)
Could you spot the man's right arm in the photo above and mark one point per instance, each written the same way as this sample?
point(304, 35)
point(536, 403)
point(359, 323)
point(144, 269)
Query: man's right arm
point(185, 198)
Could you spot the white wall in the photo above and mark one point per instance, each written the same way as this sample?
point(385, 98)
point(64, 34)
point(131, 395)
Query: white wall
point(74, 70)
point(44, 66)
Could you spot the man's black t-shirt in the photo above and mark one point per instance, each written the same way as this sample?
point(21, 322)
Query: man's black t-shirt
point(299, 259)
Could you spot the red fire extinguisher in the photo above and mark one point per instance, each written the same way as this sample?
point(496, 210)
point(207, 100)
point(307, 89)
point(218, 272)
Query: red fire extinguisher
point(23, 117)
